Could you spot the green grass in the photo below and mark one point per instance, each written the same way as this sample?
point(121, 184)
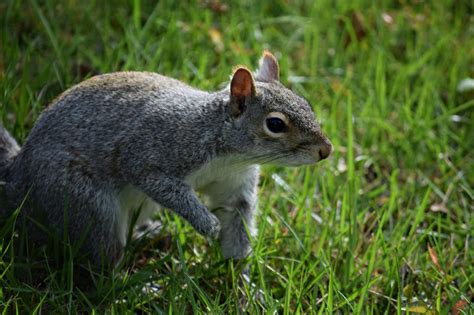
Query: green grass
point(350, 235)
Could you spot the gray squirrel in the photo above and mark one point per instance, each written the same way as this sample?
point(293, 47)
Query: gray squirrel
point(135, 141)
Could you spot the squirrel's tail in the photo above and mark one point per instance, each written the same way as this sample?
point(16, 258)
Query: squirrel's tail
point(9, 148)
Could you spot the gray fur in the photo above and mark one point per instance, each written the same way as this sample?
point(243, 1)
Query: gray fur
point(9, 148)
point(123, 141)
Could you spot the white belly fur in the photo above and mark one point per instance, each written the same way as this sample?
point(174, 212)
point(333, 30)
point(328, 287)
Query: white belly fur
point(132, 200)
point(223, 169)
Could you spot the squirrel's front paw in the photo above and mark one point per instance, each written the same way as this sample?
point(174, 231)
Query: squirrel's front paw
point(210, 227)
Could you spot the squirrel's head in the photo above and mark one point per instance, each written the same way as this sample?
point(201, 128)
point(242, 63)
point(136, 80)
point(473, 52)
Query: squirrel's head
point(270, 122)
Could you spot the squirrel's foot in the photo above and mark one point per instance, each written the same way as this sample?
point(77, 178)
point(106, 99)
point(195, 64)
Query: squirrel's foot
point(209, 227)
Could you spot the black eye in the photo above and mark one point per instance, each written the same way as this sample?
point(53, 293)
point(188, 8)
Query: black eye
point(275, 125)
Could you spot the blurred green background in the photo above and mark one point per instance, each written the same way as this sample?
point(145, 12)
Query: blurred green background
point(384, 226)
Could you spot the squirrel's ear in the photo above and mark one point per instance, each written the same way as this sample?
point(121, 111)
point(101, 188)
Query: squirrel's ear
point(242, 87)
point(268, 70)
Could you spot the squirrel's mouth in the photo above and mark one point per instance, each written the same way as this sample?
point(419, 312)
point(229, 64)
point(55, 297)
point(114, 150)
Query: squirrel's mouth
point(305, 155)
point(294, 160)
point(300, 162)
point(300, 156)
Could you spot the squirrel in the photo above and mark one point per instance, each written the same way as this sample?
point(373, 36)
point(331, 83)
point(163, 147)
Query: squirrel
point(123, 142)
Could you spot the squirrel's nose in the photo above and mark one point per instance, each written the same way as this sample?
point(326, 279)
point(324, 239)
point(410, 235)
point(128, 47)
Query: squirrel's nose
point(325, 149)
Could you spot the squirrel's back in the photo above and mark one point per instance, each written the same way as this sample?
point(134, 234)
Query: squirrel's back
point(103, 122)
point(106, 106)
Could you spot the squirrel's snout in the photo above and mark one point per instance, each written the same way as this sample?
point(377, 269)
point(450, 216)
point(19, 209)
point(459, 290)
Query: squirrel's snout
point(324, 149)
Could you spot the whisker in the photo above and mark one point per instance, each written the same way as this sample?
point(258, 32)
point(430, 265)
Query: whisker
point(242, 165)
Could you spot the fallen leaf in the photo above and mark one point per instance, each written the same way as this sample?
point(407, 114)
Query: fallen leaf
point(183, 27)
point(341, 165)
point(382, 199)
point(465, 85)
point(458, 307)
point(408, 291)
point(235, 47)
point(293, 213)
point(370, 173)
point(83, 70)
point(216, 38)
point(439, 207)
point(434, 257)
point(420, 309)
point(216, 6)
point(358, 24)
point(387, 18)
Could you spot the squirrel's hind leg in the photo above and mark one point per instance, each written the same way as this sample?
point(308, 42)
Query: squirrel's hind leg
point(103, 242)
point(81, 214)
point(234, 202)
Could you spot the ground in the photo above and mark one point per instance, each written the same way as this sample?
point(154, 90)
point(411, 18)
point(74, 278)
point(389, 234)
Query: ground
point(383, 226)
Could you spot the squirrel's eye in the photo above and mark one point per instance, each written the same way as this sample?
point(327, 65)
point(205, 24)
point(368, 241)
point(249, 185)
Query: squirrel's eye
point(275, 125)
